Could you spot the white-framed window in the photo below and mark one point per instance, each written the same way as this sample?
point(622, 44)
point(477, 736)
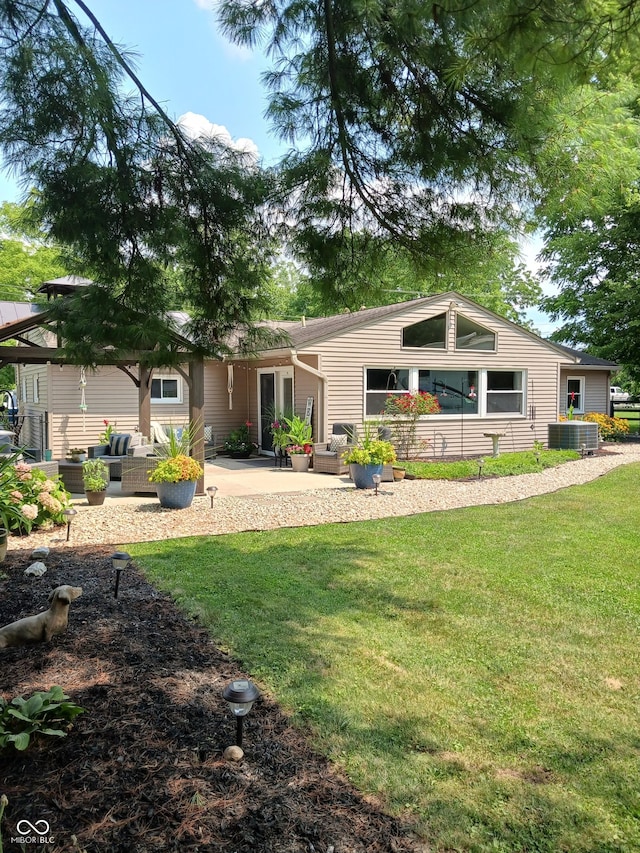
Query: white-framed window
point(166, 389)
point(36, 388)
point(426, 334)
point(471, 335)
point(575, 394)
point(483, 393)
point(23, 386)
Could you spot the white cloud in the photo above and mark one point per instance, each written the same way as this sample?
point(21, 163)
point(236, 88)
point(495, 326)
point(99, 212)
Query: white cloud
point(196, 126)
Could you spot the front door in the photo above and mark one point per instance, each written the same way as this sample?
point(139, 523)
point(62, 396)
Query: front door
point(275, 398)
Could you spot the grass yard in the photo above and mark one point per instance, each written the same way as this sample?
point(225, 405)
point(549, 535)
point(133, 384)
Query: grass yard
point(476, 669)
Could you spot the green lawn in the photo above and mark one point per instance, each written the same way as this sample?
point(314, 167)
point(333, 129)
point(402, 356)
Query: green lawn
point(478, 669)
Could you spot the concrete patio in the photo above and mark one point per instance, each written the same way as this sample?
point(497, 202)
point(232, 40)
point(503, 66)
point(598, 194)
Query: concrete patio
point(243, 478)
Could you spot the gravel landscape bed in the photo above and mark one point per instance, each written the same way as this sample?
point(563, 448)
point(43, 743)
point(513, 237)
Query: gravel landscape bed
point(116, 523)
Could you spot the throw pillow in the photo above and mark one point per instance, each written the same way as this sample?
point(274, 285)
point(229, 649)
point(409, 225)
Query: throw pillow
point(337, 442)
point(119, 444)
point(208, 433)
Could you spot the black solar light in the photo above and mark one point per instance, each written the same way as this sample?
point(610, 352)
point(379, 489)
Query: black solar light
point(211, 491)
point(119, 560)
point(480, 466)
point(240, 695)
point(69, 514)
point(376, 481)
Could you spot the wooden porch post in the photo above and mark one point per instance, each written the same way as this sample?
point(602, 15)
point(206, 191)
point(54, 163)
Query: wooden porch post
point(144, 401)
point(196, 413)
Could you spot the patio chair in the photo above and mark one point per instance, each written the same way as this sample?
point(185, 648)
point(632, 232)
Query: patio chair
point(327, 456)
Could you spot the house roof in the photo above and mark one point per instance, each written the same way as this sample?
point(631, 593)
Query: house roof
point(18, 317)
point(588, 360)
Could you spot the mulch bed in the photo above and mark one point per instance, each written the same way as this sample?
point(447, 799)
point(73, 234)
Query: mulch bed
point(143, 769)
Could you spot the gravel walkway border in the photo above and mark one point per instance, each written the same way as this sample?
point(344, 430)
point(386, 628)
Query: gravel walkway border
point(146, 521)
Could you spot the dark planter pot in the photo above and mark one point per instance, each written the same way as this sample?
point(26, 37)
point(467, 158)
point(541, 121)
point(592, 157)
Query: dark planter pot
point(240, 454)
point(362, 475)
point(95, 498)
point(3, 543)
point(176, 495)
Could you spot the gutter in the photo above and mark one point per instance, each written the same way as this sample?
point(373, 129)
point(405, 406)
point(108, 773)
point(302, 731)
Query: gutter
point(321, 418)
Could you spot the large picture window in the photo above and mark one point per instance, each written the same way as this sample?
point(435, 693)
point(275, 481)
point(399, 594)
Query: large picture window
point(166, 389)
point(456, 390)
point(459, 392)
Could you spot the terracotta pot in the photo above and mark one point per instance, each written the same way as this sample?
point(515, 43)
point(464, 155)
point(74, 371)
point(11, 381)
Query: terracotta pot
point(95, 498)
point(398, 473)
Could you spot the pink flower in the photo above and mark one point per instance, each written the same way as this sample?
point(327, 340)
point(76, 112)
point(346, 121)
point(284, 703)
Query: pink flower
point(30, 511)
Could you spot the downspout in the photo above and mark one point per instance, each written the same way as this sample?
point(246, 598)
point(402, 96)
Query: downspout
point(321, 416)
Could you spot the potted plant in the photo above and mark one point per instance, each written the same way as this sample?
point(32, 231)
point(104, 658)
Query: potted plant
point(279, 438)
point(95, 478)
point(368, 456)
point(300, 447)
point(238, 443)
point(175, 478)
point(77, 454)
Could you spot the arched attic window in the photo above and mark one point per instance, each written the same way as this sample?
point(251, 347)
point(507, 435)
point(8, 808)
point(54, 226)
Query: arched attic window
point(471, 335)
point(427, 334)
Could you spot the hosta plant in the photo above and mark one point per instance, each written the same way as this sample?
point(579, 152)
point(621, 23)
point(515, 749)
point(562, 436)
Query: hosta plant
point(46, 713)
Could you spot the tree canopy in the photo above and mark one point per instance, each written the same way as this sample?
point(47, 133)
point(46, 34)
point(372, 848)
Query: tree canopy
point(590, 211)
point(418, 122)
point(131, 195)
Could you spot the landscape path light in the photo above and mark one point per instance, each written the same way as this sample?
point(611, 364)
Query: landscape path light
point(211, 491)
point(376, 481)
point(69, 514)
point(119, 560)
point(480, 466)
point(240, 695)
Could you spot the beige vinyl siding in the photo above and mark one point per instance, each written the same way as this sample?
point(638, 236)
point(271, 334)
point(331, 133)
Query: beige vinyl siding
point(345, 357)
point(596, 385)
point(216, 399)
point(110, 394)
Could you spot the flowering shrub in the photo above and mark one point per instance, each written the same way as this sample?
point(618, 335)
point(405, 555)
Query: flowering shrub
point(404, 411)
point(610, 429)
point(176, 469)
point(29, 498)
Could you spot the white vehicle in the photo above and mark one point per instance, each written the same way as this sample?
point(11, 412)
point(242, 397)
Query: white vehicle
point(618, 395)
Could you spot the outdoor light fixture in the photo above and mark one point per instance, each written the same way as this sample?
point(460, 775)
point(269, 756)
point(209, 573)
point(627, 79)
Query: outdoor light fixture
point(240, 695)
point(69, 515)
point(211, 491)
point(480, 466)
point(583, 450)
point(376, 481)
point(120, 560)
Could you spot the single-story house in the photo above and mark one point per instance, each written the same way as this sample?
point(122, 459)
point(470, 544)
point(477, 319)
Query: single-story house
point(490, 376)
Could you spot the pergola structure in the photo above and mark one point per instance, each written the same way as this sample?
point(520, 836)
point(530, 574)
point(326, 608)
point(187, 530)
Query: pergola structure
point(17, 319)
